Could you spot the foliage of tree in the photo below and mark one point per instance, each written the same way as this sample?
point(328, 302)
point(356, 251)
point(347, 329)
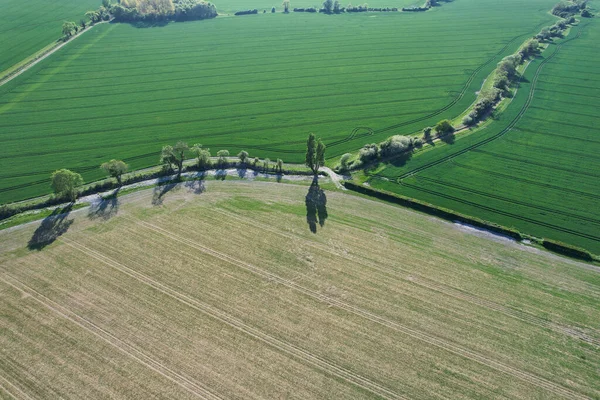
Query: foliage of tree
point(344, 161)
point(157, 10)
point(337, 7)
point(243, 156)
point(394, 145)
point(328, 6)
point(266, 163)
point(65, 183)
point(222, 161)
point(115, 168)
point(286, 6)
point(202, 155)
point(174, 155)
point(280, 165)
point(69, 29)
point(368, 152)
point(443, 127)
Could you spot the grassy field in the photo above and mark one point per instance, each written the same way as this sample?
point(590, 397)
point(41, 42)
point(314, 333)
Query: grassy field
point(227, 294)
point(540, 171)
point(258, 83)
point(28, 26)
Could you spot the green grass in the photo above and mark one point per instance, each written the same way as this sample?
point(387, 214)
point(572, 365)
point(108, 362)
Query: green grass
point(229, 292)
point(28, 26)
point(259, 84)
point(541, 176)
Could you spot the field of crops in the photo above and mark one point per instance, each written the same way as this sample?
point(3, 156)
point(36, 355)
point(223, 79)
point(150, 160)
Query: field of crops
point(29, 26)
point(542, 175)
point(227, 294)
point(258, 83)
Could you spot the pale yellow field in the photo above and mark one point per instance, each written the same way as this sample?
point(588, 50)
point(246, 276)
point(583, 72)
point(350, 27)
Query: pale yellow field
point(228, 294)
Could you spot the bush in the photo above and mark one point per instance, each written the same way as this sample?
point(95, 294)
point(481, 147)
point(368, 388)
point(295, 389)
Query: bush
point(247, 12)
point(395, 145)
point(586, 14)
point(344, 161)
point(443, 127)
point(369, 152)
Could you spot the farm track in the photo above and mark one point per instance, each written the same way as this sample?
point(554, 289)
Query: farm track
point(415, 334)
point(137, 355)
point(287, 348)
point(512, 123)
point(430, 284)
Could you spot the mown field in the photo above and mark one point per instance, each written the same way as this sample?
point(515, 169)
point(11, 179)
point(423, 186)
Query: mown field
point(258, 83)
point(227, 294)
point(29, 26)
point(540, 173)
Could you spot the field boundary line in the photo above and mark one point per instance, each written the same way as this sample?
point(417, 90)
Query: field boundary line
point(109, 338)
point(21, 392)
point(36, 61)
point(424, 337)
point(430, 284)
point(285, 347)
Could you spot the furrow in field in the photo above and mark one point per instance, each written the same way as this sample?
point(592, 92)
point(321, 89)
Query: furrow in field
point(212, 312)
point(431, 340)
point(184, 382)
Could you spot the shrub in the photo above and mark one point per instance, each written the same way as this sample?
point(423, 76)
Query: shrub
point(394, 145)
point(369, 152)
point(443, 127)
point(586, 14)
point(344, 160)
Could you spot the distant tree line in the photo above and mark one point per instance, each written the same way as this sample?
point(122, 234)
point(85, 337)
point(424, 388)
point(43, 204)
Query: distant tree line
point(162, 10)
point(247, 12)
point(566, 9)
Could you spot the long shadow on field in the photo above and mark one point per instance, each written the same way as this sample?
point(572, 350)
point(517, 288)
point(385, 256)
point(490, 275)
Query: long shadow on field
point(316, 206)
point(197, 184)
point(161, 191)
point(106, 208)
point(51, 228)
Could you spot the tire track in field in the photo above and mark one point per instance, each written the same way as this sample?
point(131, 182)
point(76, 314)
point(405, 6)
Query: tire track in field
point(285, 347)
point(15, 387)
point(527, 377)
point(461, 94)
point(508, 128)
point(428, 283)
point(508, 200)
point(112, 340)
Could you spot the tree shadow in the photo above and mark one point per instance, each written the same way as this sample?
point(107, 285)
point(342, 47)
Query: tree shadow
point(448, 138)
point(401, 159)
point(51, 228)
point(107, 208)
point(316, 206)
point(196, 185)
point(242, 171)
point(221, 174)
point(149, 24)
point(161, 191)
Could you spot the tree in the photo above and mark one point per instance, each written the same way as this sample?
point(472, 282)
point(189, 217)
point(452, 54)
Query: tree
point(83, 24)
point(337, 8)
point(345, 160)
point(65, 183)
point(69, 28)
point(286, 6)
point(115, 168)
point(320, 160)
point(311, 152)
point(203, 156)
point(273, 10)
point(93, 16)
point(328, 6)
point(266, 163)
point(106, 3)
point(444, 127)
point(222, 154)
point(179, 151)
point(243, 156)
point(280, 165)
point(255, 162)
point(167, 157)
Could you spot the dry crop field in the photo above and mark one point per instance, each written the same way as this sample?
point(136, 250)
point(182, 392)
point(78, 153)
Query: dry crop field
point(223, 291)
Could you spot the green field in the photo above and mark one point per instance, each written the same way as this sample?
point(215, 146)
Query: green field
point(28, 26)
point(227, 294)
point(258, 83)
point(537, 167)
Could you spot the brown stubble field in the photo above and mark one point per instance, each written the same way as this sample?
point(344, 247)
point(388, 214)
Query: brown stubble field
point(228, 294)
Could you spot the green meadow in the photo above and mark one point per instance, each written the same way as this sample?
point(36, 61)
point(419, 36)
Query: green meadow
point(259, 83)
point(537, 167)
